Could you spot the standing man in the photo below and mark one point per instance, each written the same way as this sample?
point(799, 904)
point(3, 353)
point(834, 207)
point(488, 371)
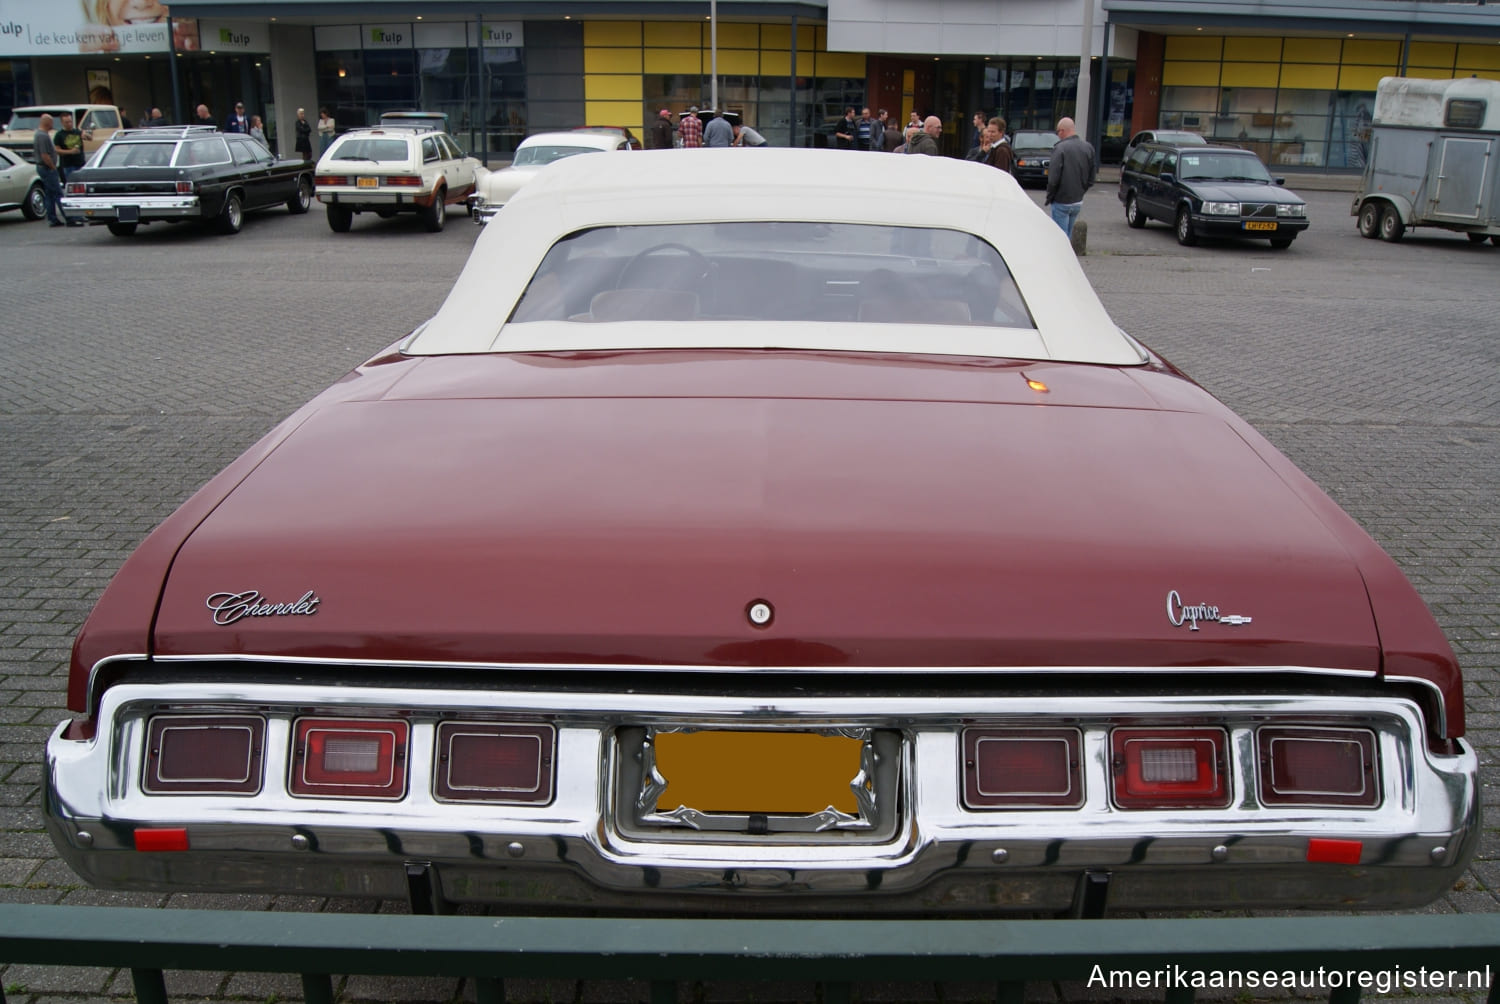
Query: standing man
point(68, 143)
point(718, 132)
point(926, 140)
point(846, 130)
point(661, 131)
point(237, 121)
point(153, 119)
point(46, 168)
point(204, 118)
point(691, 129)
point(980, 120)
point(884, 121)
point(1069, 175)
point(745, 136)
point(865, 130)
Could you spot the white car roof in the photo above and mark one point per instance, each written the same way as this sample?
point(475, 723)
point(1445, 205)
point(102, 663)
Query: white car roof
point(597, 140)
point(736, 185)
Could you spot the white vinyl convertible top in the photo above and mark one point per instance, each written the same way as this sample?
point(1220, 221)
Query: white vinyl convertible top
point(755, 185)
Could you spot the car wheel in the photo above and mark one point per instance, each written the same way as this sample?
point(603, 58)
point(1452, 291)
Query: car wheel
point(1133, 214)
point(435, 215)
point(34, 206)
point(233, 215)
point(1369, 220)
point(1391, 227)
point(1185, 235)
point(1495, 239)
point(1478, 238)
point(122, 229)
point(1281, 243)
point(339, 218)
point(302, 200)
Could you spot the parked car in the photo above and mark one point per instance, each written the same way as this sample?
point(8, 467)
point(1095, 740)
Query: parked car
point(635, 144)
point(1175, 137)
point(97, 122)
point(1209, 191)
point(20, 188)
point(391, 169)
point(184, 173)
point(431, 120)
point(746, 534)
point(1033, 152)
point(536, 152)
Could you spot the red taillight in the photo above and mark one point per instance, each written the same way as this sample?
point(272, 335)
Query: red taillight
point(349, 759)
point(1020, 768)
point(1169, 768)
point(77, 188)
point(404, 180)
point(163, 839)
point(333, 179)
point(204, 754)
point(1322, 850)
point(488, 762)
point(1313, 766)
point(184, 188)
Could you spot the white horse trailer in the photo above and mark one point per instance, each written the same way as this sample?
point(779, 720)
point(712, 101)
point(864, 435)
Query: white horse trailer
point(1433, 159)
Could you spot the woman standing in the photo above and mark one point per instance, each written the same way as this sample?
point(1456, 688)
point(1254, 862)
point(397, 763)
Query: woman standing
point(258, 130)
point(304, 135)
point(325, 130)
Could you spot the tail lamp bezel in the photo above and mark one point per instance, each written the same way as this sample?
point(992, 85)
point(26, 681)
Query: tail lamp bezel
point(389, 785)
point(1266, 739)
point(976, 797)
point(159, 730)
point(1128, 791)
point(540, 793)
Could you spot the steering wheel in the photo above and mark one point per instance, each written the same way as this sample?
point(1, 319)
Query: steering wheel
point(678, 272)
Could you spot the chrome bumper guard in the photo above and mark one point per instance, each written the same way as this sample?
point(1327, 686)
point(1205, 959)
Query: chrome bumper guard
point(480, 211)
point(591, 847)
point(148, 207)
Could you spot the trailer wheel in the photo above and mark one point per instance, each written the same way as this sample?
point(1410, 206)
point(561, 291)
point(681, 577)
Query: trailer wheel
point(1369, 220)
point(1391, 227)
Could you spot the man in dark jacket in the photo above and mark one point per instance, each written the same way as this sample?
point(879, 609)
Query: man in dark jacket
point(661, 131)
point(926, 141)
point(1069, 175)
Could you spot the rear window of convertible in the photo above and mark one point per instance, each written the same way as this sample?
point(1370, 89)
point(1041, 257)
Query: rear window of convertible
point(766, 271)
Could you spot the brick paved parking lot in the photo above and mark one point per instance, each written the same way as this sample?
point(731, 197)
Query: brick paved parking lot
point(132, 370)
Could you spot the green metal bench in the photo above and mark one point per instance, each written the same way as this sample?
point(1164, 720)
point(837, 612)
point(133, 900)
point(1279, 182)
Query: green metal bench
point(1161, 955)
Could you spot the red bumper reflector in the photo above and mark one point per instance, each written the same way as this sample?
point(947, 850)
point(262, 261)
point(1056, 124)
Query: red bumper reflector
point(174, 839)
point(1334, 852)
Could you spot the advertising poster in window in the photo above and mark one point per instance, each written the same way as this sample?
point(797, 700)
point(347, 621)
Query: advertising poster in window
point(68, 27)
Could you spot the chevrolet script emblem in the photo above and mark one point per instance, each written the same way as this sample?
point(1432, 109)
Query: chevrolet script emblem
point(230, 607)
point(1179, 613)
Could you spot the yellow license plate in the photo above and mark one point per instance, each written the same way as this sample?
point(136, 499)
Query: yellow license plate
point(367, 183)
point(775, 773)
point(1258, 225)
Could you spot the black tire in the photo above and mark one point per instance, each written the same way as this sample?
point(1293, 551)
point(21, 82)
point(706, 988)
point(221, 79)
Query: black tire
point(1185, 235)
point(1369, 220)
point(1391, 227)
point(34, 206)
point(339, 218)
point(301, 200)
point(1281, 243)
point(1478, 238)
point(1133, 214)
point(1495, 239)
point(232, 217)
point(435, 215)
point(122, 229)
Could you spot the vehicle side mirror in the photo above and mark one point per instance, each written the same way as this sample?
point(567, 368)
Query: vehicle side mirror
point(1279, 181)
point(1168, 177)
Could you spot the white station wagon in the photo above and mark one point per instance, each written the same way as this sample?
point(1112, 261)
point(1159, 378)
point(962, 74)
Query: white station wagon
point(392, 169)
point(536, 152)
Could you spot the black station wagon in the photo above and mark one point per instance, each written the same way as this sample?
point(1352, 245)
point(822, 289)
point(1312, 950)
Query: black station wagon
point(187, 173)
point(1209, 191)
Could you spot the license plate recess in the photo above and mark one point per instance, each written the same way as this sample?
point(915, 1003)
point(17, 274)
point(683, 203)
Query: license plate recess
point(1260, 225)
point(758, 782)
point(128, 214)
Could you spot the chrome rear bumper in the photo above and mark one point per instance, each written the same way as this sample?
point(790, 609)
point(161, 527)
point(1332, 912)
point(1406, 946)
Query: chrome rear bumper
point(584, 850)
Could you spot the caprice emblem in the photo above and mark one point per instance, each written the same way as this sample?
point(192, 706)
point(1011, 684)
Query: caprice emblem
point(230, 607)
point(1180, 614)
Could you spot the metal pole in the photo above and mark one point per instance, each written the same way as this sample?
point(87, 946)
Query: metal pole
point(1106, 91)
point(792, 136)
point(484, 97)
point(713, 54)
point(1081, 104)
point(172, 66)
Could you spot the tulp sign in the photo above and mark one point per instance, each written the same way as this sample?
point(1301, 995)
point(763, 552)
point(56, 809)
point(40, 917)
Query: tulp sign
point(37, 29)
point(235, 36)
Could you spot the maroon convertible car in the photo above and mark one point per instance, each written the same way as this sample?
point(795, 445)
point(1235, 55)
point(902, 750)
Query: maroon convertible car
point(771, 532)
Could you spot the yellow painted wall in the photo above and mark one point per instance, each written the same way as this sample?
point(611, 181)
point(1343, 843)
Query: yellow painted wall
point(612, 60)
point(1311, 50)
point(611, 33)
point(673, 60)
point(1194, 47)
point(1184, 74)
point(1478, 57)
point(1372, 52)
point(613, 87)
point(1250, 75)
point(1312, 78)
point(1435, 54)
point(675, 34)
point(1252, 49)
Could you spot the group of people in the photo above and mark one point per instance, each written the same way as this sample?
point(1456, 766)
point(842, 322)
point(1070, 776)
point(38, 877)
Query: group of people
point(691, 133)
point(252, 125)
point(867, 132)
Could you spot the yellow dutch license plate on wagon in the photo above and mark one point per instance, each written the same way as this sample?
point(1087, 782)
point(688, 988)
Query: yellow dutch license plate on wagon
point(367, 183)
point(775, 773)
point(1260, 225)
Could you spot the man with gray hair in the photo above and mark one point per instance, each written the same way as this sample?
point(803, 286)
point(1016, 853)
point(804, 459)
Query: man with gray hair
point(926, 140)
point(46, 169)
point(1069, 175)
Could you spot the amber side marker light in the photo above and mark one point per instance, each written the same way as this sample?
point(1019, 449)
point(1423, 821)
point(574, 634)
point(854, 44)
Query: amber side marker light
point(349, 759)
point(1169, 768)
point(1036, 385)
